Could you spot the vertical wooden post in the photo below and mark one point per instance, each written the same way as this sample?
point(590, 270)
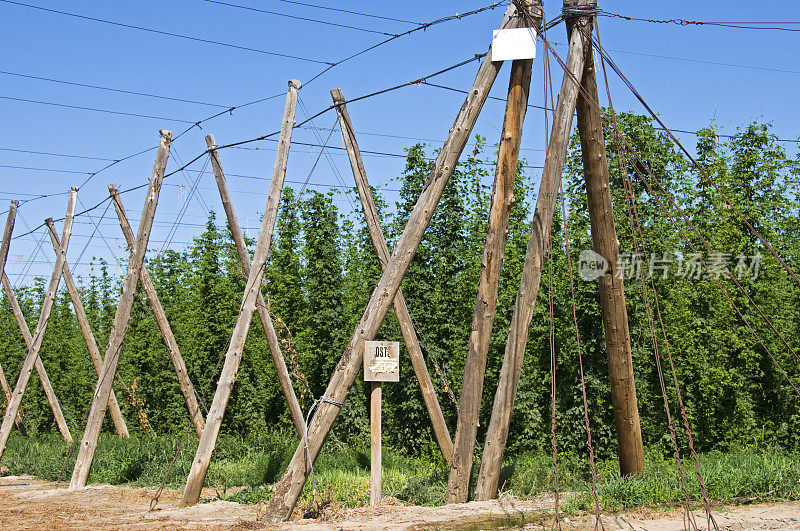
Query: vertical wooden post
point(288, 489)
point(187, 389)
point(121, 321)
point(376, 454)
point(400, 306)
point(88, 336)
point(35, 343)
point(202, 459)
point(261, 307)
point(497, 433)
point(488, 282)
point(611, 286)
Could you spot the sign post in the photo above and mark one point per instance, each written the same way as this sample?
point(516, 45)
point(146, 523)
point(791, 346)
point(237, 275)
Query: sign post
point(381, 364)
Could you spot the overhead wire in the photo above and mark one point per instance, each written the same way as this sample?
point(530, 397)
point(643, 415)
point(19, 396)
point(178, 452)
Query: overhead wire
point(94, 109)
point(187, 201)
point(297, 17)
point(677, 226)
point(633, 215)
point(707, 62)
point(421, 26)
point(167, 33)
point(604, 57)
point(350, 12)
point(48, 153)
point(547, 85)
point(111, 89)
point(272, 134)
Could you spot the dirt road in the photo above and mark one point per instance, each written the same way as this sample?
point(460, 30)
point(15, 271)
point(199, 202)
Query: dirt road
point(29, 503)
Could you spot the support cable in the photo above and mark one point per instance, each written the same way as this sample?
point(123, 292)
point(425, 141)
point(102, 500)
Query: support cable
point(753, 25)
point(672, 200)
point(633, 215)
point(697, 165)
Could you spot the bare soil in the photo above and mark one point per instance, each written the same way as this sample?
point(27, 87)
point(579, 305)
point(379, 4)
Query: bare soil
point(30, 503)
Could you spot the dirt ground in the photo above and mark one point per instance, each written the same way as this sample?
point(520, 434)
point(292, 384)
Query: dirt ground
point(30, 503)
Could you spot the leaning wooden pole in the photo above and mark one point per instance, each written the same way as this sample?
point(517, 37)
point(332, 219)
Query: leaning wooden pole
point(611, 286)
point(497, 433)
point(28, 338)
point(7, 393)
point(35, 343)
point(261, 307)
point(7, 231)
point(12, 213)
point(88, 335)
point(122, 317)
point(287, 490)
point(187, 389)
point(488, 282)
point(400, 307)
point(202, 459)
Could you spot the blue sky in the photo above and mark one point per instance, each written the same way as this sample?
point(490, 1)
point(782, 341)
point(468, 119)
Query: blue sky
point(688, 91)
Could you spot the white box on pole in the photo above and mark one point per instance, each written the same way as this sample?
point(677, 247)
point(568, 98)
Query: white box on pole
point(514, 43)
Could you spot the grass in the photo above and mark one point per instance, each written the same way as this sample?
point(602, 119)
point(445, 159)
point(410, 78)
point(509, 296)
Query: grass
point(342, 472)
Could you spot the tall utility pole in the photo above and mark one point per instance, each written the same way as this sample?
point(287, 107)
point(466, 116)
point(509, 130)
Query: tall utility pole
point(546, 202)
point(612, 290)
point(491, 268)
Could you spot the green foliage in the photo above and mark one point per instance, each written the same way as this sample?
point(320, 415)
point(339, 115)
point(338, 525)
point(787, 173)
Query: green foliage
point(322, 270)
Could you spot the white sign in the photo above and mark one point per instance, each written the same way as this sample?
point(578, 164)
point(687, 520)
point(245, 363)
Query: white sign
point(514, 43)
point(381, 361)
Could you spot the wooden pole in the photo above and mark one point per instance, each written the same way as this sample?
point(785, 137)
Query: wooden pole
point(7, 392)
point(488, 283)
point(400, 306)
point(187, 389)
point(497, 433)
point(121, 321)
point(287, 490)
point(88, 336)
point(611, 286)
point(26, 335)
point(35, 344)
point(12, 214)
point(376, 455)
point(202, 459)
point(261, 307)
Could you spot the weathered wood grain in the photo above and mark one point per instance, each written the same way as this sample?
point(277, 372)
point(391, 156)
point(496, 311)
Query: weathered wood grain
point(261, 307)
point(88, 335)
point(122, 318)
point(611, 287)
point(400, 307)
point(35, 342)
point(202, 459)
point(187, 389)
point(497, 433)
point(488, 283)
